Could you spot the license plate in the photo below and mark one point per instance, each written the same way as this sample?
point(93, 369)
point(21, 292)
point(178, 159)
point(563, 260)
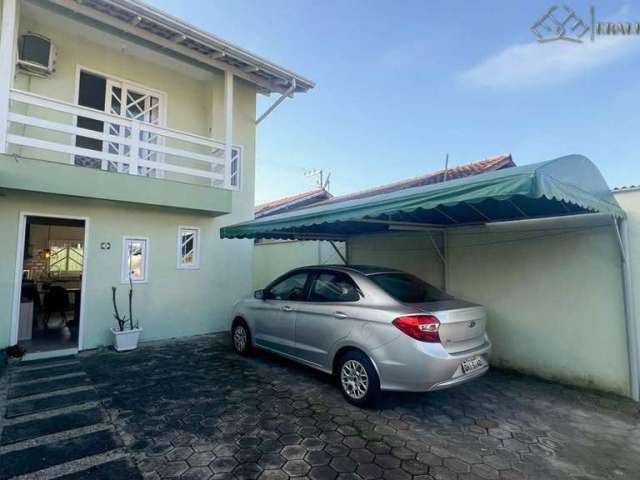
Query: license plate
point(471, 364)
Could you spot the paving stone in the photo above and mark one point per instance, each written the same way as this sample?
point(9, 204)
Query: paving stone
point(296, 467)
point(196, 473)
point(247, 471)
point(274, 420)
point(271, 461)
point(343, 464)
point(117, 469)
point(317, 457)
point(323, 473)
point(369, 471)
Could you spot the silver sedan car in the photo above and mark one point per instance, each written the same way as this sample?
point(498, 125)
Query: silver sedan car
point(374, 328)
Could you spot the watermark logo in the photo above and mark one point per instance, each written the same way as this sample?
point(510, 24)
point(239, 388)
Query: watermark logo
point(560, 23)
point(563, 23)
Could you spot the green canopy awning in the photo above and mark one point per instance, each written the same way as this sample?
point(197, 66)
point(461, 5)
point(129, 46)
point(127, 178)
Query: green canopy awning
point(565, 186)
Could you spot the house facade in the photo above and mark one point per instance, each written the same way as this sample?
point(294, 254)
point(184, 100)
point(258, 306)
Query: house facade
point(127, 139)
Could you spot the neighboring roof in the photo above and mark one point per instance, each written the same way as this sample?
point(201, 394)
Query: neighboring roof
point(291, 202)
point(151, 24)
point(625, 188)
point(466, 170)
point(564, 186)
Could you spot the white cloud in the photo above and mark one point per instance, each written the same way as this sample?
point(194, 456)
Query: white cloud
point(542, 64)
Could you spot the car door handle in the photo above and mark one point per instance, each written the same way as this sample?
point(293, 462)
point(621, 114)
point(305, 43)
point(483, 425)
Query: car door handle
point(340, 315)
point(287, 308)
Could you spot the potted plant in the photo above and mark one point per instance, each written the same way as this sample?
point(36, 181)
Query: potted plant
point(127, 334)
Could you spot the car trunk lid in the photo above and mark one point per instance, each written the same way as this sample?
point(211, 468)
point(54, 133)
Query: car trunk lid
point(462, 324)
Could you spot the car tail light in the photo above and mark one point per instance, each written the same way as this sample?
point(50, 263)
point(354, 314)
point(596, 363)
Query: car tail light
point(421, 327)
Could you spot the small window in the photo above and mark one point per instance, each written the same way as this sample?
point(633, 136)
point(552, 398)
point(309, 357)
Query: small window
point(291, 288)
point(135, 260)
point(333, 287)
point(65, 257)
point(234, 169)
point(188, 247)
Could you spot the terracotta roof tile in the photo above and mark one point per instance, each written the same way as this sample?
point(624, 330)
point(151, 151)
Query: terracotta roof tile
point(466, 170)
point(264, 209)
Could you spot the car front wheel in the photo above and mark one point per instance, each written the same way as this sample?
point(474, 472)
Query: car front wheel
point(241, 338)
point(358, 379)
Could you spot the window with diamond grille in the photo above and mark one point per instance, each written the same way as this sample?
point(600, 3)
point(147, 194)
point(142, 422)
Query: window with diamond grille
point(188, 247)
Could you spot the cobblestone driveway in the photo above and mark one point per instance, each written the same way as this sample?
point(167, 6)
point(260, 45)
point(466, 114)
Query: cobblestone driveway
point(192, 409)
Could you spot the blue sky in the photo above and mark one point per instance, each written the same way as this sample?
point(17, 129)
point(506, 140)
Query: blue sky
point(401, 84)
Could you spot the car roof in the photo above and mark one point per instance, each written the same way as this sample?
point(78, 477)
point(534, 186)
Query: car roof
point(362, 269)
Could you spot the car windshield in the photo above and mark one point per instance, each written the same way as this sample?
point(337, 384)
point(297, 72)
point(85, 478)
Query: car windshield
point(408, 289)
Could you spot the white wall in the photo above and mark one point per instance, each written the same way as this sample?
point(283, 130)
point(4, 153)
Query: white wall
point(272, 259)
point(552, 289)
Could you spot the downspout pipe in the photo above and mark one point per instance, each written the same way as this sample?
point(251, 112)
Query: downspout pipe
point(286, 94)
point(622, 229)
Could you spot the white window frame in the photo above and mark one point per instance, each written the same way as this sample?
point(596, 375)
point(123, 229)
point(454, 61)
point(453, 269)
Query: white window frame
point(196, 264)
point(238, 186)
point(124, 274)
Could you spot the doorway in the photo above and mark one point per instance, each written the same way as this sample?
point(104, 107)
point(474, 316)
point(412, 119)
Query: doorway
point(49, 283)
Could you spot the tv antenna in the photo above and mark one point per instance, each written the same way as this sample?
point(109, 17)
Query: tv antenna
point(321, 181)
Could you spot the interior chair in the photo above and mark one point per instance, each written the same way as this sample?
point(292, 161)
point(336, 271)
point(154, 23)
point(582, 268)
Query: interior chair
point(56, 300)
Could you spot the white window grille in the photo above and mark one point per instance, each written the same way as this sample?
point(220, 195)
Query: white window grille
point(235, 168)
point(135, 260)
point(188, 247)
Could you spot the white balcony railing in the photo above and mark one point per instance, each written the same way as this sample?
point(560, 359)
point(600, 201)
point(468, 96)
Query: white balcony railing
point(42, 124)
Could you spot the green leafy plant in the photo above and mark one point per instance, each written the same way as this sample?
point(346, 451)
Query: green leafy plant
point(122, 319)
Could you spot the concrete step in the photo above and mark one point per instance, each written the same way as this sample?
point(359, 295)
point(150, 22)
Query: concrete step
point(48, 372)
point(19, 432)
point(49, 386)
point(34, 459)
point(27, 407)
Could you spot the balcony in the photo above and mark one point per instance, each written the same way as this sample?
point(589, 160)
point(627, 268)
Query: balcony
point(69, 149)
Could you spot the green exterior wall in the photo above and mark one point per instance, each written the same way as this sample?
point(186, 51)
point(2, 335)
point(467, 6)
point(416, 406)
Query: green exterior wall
point(554, 298)
point(173, 303)
point(272, 259)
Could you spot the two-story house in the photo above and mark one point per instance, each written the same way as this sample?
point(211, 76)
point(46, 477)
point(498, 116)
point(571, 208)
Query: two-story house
point(127, 139)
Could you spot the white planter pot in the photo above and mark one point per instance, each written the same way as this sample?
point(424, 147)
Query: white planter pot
point(126, 340)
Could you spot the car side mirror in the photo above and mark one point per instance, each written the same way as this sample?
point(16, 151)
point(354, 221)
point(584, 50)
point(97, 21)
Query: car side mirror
point(259, 294)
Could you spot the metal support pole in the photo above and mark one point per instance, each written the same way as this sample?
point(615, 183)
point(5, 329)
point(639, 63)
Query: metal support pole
point(342, 257)
point(286, 94)
point(622, 230)
point(228, 126)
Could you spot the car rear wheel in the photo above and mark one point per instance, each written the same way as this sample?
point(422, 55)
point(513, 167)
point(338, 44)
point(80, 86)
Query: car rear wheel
point(358, 379)
point(241, 338)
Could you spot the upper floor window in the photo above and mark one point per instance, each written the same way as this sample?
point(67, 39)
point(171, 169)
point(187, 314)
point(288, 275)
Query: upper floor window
point(188, 247)
point(135, 259)
point(235, 168)
point(124, 99)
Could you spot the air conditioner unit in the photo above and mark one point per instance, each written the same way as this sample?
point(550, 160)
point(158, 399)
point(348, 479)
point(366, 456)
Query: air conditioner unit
point(36, 54)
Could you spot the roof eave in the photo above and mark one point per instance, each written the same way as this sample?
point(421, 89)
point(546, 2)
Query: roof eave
point(223, 55)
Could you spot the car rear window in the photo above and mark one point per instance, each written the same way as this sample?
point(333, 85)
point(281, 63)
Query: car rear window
point(408, 289)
